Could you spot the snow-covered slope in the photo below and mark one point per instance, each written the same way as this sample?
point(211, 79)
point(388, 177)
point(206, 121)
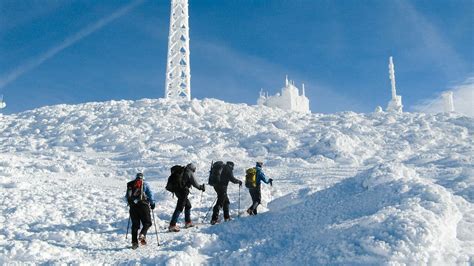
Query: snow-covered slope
point(349, 188)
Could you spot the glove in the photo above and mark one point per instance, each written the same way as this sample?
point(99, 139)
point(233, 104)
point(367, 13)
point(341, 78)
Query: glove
point(152, 206)
point(240, 183)
point(270, 181)
point(203, 188)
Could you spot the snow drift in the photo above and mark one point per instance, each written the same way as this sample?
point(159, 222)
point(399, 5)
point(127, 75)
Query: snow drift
point(349, 188)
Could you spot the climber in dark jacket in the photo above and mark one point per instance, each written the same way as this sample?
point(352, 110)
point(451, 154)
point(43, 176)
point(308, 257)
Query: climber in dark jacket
point(183, 201)
point(140, 199)
point(256, 192)
point(221, 190)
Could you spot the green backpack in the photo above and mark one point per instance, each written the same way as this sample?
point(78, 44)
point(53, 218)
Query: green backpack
point(251, 177)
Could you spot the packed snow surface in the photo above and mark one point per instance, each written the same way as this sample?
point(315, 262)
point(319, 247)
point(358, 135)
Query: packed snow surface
point(348, 188)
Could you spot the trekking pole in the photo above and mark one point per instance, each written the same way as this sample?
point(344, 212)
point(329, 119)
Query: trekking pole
point(207, 213)
point(238, 214)
point(202, 192)
point(128, 225)
point(200, 204)
point(156, 231)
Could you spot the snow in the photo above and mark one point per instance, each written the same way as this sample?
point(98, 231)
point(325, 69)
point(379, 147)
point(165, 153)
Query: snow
point(462, 99)
point(289, 99)
point(377, 188)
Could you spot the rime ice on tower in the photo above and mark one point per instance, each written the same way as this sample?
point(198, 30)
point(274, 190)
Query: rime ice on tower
point(2, 102)
point(448, 101)
point(395, 104)
point(178, 72)
point(289, 99)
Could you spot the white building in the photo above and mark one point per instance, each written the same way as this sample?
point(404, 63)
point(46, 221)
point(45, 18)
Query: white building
point(289, 99)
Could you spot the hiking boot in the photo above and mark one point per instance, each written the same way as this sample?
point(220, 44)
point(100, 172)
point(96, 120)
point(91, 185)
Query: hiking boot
point(213, 222)
point(227, 219)
point(173, 228)
point(249, 211)
point(142, 239)
point(188, 225)
point(134, 245)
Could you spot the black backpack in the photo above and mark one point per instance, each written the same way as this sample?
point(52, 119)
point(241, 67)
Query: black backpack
point(215, 173)
point(135, 192)
point(175, 180)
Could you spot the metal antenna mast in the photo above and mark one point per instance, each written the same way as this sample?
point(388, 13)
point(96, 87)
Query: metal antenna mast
point(391, 72)
point(395, 104)
point(178, 71)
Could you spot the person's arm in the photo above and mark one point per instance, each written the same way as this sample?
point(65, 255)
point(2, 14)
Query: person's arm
point(126, 195)
point(193, 181)
point(262, 177)
point(233, 179)
point(149, 194)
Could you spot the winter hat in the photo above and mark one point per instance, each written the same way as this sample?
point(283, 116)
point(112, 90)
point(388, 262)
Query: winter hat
point(259, 164)
point(230, 164)
point(139, 175)
point(191, 167)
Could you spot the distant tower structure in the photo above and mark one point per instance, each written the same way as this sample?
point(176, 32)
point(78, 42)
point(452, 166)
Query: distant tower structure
point(395, 104)
point(289, 99)
point(448, 102)
point(178, 71)
point(2, 102)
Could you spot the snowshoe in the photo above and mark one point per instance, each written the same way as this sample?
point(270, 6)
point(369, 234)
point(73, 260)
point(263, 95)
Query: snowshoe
point(134, 245)
point(188, 225)
point(213, 222)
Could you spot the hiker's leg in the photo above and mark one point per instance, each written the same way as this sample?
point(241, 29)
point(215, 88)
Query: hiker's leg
point(258, 199)
point(219, 203)
point(187, 210)
point(135, 218)
point(177, 211)
point(255, 201)
point(226, 206)
point(145, 218)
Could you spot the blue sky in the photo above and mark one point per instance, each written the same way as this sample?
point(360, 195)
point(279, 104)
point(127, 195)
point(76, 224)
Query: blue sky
point(58, 51)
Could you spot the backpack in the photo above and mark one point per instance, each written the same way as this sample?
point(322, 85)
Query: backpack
point(135, 192)
point(251, 177)
point(215, 173)
point(176, 180)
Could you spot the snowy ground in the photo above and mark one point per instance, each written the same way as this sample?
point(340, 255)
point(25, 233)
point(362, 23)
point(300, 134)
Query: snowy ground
point(349, 188)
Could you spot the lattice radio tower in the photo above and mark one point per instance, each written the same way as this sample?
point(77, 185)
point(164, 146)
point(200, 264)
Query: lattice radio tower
point(178, 71)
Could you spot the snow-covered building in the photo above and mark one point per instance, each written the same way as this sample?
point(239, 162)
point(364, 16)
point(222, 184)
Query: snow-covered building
point(289, 99)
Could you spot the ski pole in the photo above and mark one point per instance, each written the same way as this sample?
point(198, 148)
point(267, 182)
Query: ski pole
point(200, 204)
point(128, 225)
point(207, 213)
point(239, 203)
point(202, 192)
point(156, 231)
